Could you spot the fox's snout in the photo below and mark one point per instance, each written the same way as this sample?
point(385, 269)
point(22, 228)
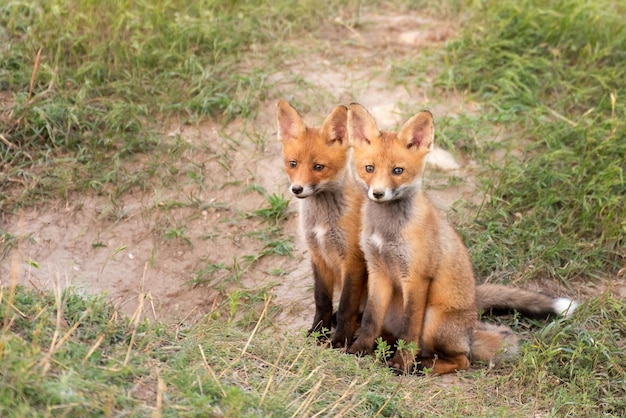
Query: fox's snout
point(379, 195)
point(301, 191)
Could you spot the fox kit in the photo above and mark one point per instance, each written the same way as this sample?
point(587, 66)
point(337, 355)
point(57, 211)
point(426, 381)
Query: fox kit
point(316, 161)
point(421, 286)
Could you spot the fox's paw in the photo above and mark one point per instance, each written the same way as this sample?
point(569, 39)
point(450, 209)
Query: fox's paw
point(342, 338)
point(360, 348)
point(338, 342)
point(402, 362)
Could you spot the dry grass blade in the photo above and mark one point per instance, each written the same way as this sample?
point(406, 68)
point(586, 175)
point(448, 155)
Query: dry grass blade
point(252, 334)
point(93, 348)
point(613, 101)
point(161, 388)
point(258, 324)
point(349, 406)
point(69, 332)
point(14, 277)
point(350, 389)
point(393, 394)
point(298, 384)
point(33, 75)
point(45, 362)
point(274, 369)
point(135, 321)
point(304, 406)
point(210, 370)
point(295, 360)
point(6, 141)
point(561, 117)
point(54, 345)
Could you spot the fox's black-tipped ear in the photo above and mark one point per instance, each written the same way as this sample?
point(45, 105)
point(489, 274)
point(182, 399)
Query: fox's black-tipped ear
point(336, 125)
point(290, 124)
point(419, 131)
point(361, 126)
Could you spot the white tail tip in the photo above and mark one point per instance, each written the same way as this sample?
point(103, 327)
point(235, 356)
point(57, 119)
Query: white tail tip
point(565, 306)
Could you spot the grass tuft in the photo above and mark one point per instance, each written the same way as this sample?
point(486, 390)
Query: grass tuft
point(90, 82)
point(551, 74)
point(579, 361)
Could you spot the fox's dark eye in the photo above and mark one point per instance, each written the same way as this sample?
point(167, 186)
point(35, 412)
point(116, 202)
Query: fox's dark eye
point(318, 167)
point(369, 168)
point(293, 164)
point(397, 171)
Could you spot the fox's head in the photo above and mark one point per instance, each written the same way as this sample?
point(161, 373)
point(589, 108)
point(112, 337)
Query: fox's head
point(315, 158)
point(389, 164)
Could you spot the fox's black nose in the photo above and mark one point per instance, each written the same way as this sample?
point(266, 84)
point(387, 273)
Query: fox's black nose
point(378, 195)
point(297, 189)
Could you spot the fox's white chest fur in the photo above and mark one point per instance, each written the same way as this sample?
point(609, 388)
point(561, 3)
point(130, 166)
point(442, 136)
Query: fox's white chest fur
point(382, 238)
point(319, 225)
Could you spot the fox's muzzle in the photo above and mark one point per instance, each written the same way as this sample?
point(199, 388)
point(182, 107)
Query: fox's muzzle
point(379, 195)
point(300, 191)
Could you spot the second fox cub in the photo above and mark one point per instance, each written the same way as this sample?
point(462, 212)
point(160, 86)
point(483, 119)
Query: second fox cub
point(316, 160)
point(421, 285)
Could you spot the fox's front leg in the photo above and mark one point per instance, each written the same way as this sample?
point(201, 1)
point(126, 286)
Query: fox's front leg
point(323, 294)
point(354, 282)
point(380, 292)
point(415, 296)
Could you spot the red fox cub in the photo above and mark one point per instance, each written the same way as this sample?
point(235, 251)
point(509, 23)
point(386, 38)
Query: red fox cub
point(421, 286)
point(316, 161)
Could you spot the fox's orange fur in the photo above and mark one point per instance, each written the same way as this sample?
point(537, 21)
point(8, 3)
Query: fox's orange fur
point(316, 160)
point(421, 285)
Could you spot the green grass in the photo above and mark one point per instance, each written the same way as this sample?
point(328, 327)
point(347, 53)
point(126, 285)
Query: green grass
point(73, 355)
point(579, 364)
point(551, 76)
point(91, 83)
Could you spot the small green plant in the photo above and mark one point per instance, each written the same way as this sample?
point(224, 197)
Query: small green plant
point(383, 350)
point(33, 263)
point(282, 247)
point(320, 335)
point(277, 210)
point(410, 348)
point(222, 274)
point(7, 242)
point(209, 274)
point(177, 233)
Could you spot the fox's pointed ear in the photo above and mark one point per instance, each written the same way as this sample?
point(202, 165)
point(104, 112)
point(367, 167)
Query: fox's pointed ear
point(419, 131)
point(361, 126)
point(336, 125)
point(290, 124)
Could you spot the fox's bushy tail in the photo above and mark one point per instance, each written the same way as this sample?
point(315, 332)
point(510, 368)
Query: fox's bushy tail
point(493, 343)
point(498, 299)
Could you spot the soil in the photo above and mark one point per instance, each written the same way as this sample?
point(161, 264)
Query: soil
point(153, 243)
